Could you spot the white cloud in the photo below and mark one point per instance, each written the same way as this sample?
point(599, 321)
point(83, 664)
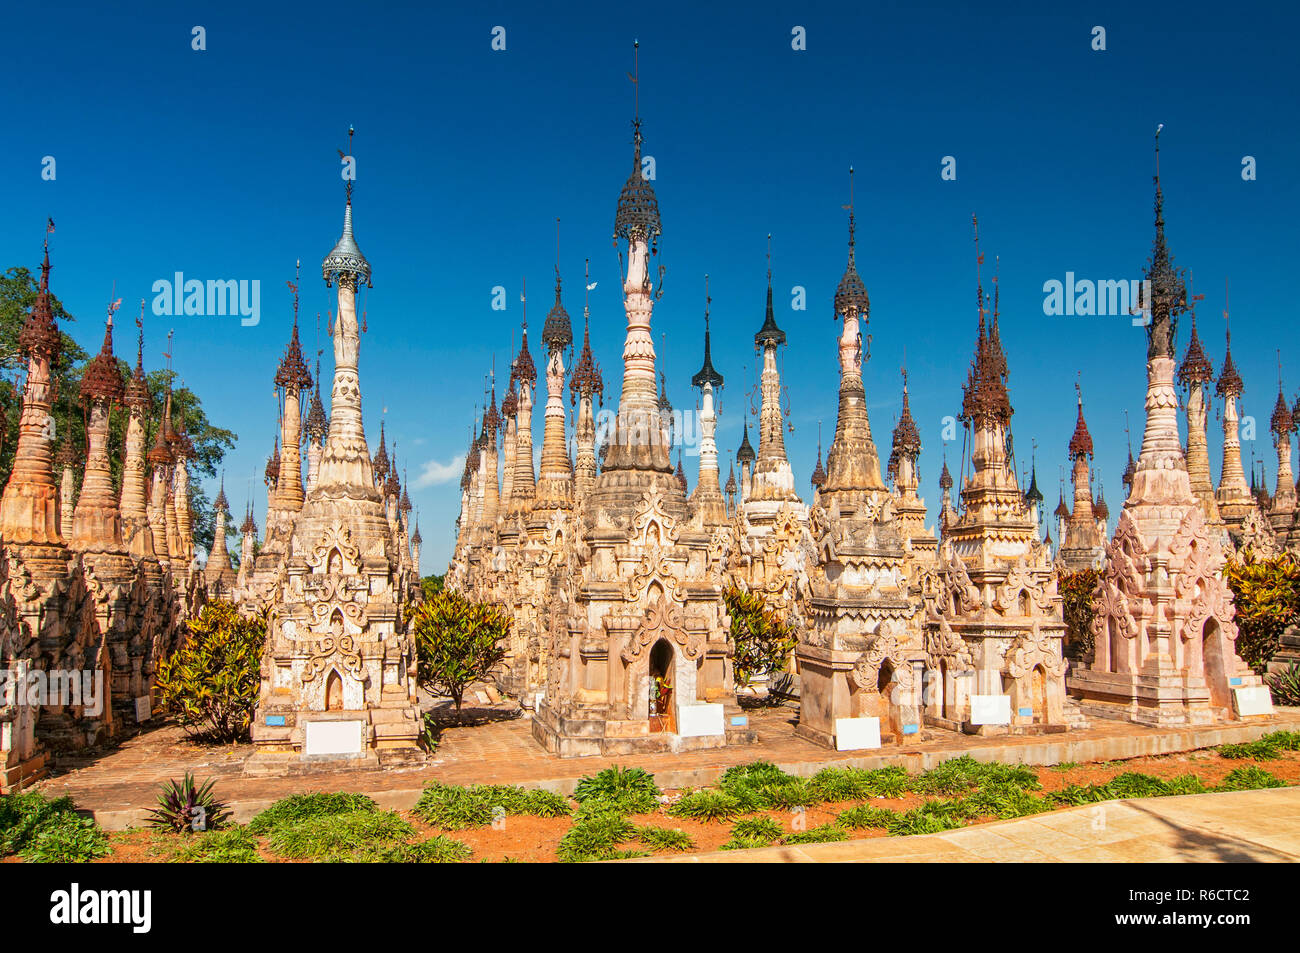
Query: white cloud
point(433, 473)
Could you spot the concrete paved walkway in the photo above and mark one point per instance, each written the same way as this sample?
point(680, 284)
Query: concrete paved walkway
point(1230, 827)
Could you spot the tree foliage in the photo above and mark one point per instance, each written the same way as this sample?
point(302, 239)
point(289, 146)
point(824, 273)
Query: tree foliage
point(458, 642)
point(210, 684)
point(430, 586)
point(1267, 595)
point(763, 640)
point(1076, 590)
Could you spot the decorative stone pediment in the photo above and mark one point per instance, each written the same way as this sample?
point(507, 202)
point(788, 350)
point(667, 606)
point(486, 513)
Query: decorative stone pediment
point(664, 620)
point(652, 526)
point(886, 644)
point(335, 552)
point(1035, 647)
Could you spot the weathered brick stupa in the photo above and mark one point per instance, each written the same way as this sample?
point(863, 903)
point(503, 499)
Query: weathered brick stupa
point(993, 625)
point(1163, 633)
point(641, 659)
point(84, 608)
point(338, 674)
point(858, 655)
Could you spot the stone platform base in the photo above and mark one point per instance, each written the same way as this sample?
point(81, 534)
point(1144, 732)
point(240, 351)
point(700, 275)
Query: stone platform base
point(1158, 701)
point(570, 737)
point(17, 776)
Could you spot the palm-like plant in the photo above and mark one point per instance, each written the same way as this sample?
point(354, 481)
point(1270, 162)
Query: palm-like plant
point(188, 806)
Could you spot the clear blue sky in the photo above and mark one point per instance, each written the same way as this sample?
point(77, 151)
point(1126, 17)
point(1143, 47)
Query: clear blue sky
point(222, 164)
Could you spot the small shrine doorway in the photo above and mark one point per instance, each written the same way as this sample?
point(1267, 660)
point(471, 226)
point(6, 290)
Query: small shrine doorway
point(662, 659)
point(334, 692)
point(1213, 652)
point(1038, 694)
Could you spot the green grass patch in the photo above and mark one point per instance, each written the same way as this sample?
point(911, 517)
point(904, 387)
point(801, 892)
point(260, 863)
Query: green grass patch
point(596, 835)
point(707, 804)
point(629, 790)
point(297, 808)
point(864, 816)
point(230, 845)
point(45, 830)
point(664, 838)
point(1249, 779)
point(435, 850)
point(452, 807)
point(825, 834)
point(336, 836)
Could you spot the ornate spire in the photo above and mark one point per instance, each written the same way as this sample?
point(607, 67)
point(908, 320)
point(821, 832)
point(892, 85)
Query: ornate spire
point(907, 438)
point(1168, 290)
point(1099, 507)
point(557, 333)
point(292, 373)
point(819, 473)
point(1033, 495)
point(945, 478)
point(769, 332)
point(525, 371)
point(637, 216)
point(346, 262)
point(318, 424)
point(102, 381)
point(681, 473)
point(379, 464)
point(416, 538)
point(137, 388)
point(1281, 423)
point(1230, 383)
point(586, 380)
point(249, 526)
point(851, 295)
point(1081, 441)
point(1196, 367)
point(220, 502)
point(984, 396)
point(745, 453)
point(730, 488)
point(707, 374)
point(272, 472)
point(40, 334)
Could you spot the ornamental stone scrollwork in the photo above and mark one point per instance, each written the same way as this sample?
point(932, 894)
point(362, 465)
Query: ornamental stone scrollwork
point(652, 526)
point(653, 567)
point(1040, 588)
point(886, 645)
point(333, 652)
point(664, 620)
point(336, 538)
point(1032, 648)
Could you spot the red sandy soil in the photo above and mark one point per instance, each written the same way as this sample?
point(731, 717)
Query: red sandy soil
point(534, 839)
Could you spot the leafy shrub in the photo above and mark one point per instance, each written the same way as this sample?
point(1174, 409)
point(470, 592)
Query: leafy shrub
point(188, 806)
point(664, 838)
point(1267, 748)
point(210, 683)
point(790, 794)
point(1003, 800)
point(66, 838)
point(630, 790)
point(1267, 597)
point(707, 804)
point(747, 843)
point(1185, 784)
point(762, 639)
point(926, 819)
point(1133, 784)
point(757, 827)
point(455, 808)
point(458, 642)
point(1075, 794)
point(891, 782)
point(825, 834)
point(595, 836)
point(754, 774)
point(1285, 685)
point(231, 845)
point(1250, 779)
point(1076, 590)
point(23, 814)
point(864, 816)
point(297, 808)
point(842, 784)
point(435, 850)
point(965, 773)
point(335, 836)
